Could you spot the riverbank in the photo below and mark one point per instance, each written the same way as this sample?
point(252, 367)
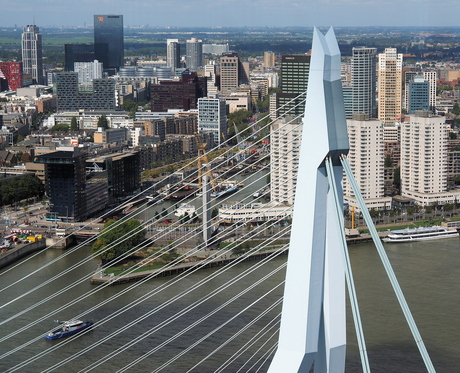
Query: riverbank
point(21, 251)
point(102, 278)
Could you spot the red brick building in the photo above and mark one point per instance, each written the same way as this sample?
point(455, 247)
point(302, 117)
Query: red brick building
point(12, 72)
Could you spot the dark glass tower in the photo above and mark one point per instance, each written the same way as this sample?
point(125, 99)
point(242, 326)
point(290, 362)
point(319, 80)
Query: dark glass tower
point(108, 40)
point(294, 81)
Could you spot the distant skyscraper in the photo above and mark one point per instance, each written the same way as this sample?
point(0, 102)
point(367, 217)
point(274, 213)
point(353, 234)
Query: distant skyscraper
point(294, 82)
point(108, 40)
point(32, 60)
point(364, 81)
point(390, 86)
point(269, 59)
point(173, 54)
point(194, 54)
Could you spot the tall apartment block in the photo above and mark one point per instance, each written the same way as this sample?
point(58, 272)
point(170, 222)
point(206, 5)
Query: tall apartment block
point(87, 71)
point(285, 139)
point(390, 86)
point(431, 77)
point(294, 82)
point(11, 72)
point(424, 145)
point(366, 158)
point(212, 117)
point(173, 54)
point(364, 81)
point(194, 54)
point(32, 59)
point(108, 40)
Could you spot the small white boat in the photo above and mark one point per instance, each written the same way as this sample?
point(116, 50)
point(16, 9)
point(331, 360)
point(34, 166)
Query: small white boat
point(185, 208)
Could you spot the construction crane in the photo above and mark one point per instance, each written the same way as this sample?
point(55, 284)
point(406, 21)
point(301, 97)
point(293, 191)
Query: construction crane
point(204, 167)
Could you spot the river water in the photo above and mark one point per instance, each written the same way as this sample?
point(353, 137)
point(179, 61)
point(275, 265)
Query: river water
point(427, 271)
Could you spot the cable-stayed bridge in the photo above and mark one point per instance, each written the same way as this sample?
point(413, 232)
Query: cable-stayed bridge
point(225, 320)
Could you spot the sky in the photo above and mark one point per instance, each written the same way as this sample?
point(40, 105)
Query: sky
point(236, 13)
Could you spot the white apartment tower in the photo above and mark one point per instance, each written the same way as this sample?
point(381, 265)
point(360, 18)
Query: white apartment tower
point(87, 71)
point(212, 117)
point(285, 139)
point(367, 160)
point(32, 60)
point(431, 76)
point(424, 159)
point(390, 86)
point(173, 54)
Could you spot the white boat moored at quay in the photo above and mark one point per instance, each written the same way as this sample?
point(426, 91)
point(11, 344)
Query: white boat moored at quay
point(421, 234)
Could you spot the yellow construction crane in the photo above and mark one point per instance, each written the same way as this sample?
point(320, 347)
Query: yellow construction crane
point(204, 167)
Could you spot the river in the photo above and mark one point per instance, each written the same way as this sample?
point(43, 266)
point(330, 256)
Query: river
point(428, 273)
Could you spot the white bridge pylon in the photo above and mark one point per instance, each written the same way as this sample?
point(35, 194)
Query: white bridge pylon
point(313, 325)
point(313, 315)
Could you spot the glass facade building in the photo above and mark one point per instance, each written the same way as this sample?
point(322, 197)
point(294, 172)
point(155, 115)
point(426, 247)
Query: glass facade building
point(108, 40)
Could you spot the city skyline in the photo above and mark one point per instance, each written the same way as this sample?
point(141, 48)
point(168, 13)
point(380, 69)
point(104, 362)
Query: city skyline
point(235, 13)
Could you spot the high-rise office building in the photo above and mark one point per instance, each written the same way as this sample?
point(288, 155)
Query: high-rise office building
point(65, 176)
point(364, 81)
point(108, 40)
point(194, 54)
point(229, 72)
point(173, 54)
point(78, 53)
point(32, 60)
point(294, 82)
point(11, 72)
point(212, 117)
point(390, 86)
point(418, 94)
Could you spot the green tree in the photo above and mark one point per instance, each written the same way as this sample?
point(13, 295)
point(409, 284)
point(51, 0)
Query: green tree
point(388, 160)
point(103, 122)
point(74, 124)
point(117, 238)
point(456, 109)
point(60, 127)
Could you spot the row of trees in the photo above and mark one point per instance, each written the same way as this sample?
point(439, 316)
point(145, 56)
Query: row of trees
point(17, 189)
